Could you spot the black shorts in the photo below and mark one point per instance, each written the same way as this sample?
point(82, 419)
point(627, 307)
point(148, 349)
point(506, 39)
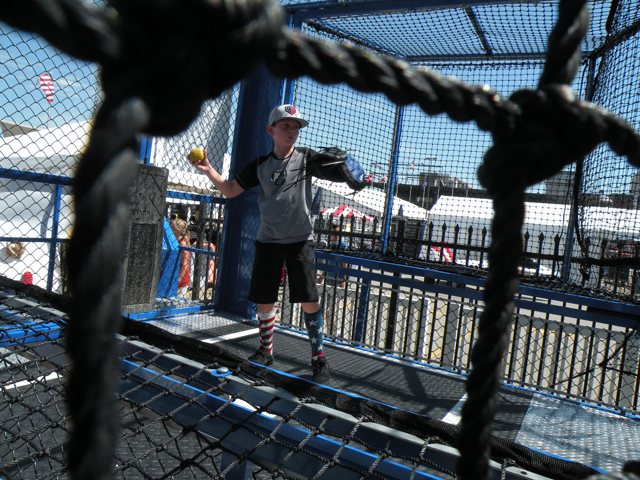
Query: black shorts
point(267, 272)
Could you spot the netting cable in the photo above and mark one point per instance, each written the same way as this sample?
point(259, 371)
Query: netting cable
point(536, 134)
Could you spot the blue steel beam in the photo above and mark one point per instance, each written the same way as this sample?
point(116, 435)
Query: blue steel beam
point(289, 84)
point(286, 405)
point(146, 387)
point(466, 58)
point(440, 58)
point(621, 314)
point(334, 8)
point(259, 93)
point(34, 177)
point(146, 144)
point(34, 239)
point(392, 173)
point(196, 197)
point(55, 224)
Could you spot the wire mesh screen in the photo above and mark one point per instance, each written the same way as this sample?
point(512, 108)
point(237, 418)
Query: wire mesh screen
point(428, 164)
point(189, 410)
point(47, 102)
point(193, 199)
point(609, 190)
point(419, 168)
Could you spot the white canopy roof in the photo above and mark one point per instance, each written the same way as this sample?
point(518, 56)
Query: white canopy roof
point(547, 218)
point(370, 201)
point(54, 151)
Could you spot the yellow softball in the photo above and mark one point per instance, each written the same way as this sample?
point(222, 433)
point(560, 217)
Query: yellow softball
point(196, 155)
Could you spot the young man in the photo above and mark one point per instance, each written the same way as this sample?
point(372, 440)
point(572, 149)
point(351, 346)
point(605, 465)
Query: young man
point(285, 234)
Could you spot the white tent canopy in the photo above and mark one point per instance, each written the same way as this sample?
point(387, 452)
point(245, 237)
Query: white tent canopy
point(54, 151)
point(369, 201)
point(26, 207)
point(464, 210)
point(547, 218)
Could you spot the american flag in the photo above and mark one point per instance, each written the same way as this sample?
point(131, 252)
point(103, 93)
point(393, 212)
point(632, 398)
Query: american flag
point(411, 167)
point(46, 84)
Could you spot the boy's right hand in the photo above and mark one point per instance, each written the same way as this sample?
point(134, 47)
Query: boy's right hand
point(227, 188)
point(203, 165)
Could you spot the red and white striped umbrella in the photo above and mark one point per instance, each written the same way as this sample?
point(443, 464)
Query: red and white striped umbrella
point(348, 212)
point(46, 84)
point(434, 254)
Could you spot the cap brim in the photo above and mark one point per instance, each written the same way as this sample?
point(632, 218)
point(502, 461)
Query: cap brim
point(303, 123)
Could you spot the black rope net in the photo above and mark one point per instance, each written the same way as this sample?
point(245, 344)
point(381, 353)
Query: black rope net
point(536, 134)
point(189, 409)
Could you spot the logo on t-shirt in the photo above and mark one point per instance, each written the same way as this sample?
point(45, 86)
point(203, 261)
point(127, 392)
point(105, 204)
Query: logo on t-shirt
point(290, 109)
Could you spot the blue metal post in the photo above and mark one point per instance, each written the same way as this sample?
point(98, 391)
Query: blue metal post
point(145, 149)
point(55, 223)
point(289, 84)
point(363, 304)
point(259, 93)
point(393, 174)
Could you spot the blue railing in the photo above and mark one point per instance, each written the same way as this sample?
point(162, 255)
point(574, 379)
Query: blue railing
point(581, 347)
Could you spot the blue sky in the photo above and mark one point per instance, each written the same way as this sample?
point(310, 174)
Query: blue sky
point(437, 143)
point(23, 58)
point(361, 123)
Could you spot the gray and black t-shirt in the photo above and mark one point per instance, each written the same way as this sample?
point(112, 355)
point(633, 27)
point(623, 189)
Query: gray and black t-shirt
point(285, 197)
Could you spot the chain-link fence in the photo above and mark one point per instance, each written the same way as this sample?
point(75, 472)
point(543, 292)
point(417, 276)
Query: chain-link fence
point(47, 103)
point(573, 348)
point(419, 168)
point(415, 244)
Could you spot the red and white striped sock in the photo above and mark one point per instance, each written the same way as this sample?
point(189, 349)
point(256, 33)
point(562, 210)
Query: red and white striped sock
point(267, 323)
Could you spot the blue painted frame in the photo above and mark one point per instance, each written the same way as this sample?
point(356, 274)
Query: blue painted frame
point(317, 10)
point(595, 304)
point(393, 174)
point(53, 241)
point(147, 385)
point(259, 93)
point(244, 441)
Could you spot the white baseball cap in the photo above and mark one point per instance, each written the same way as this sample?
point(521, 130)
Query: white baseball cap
point(285, 112)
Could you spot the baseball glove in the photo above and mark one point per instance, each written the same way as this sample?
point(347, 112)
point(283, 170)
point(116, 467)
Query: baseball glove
point(336, 165)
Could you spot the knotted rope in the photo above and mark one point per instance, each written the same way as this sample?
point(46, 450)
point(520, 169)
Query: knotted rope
point(553, 130)
point(203, 47)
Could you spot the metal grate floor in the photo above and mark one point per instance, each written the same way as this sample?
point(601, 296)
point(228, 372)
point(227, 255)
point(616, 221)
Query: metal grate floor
point(581, 433)
point(570, 430)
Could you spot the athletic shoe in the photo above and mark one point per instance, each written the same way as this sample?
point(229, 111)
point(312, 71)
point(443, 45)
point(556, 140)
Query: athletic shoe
point(320, 368)
point(261, 357)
